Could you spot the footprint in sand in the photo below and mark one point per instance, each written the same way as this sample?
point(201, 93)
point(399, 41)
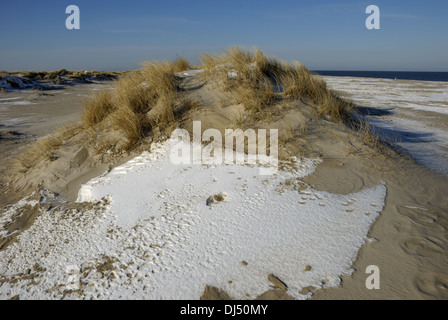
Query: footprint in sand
point(422, 247)
point(433, 284)
point(426, 218)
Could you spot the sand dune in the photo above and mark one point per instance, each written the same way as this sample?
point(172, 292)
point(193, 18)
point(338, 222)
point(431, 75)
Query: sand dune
point(143, 228)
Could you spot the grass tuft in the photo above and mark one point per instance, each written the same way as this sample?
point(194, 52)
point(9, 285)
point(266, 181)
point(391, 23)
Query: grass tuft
point(97, 108)
point(148, 102)
point(142, 101)
point(259, 82)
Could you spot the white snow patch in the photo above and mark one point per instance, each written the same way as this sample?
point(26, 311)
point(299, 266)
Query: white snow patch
point(189, 73)
point(5, 100)
point(164, 242)
point(427, 144)
point(18, 103)
point(10, 101)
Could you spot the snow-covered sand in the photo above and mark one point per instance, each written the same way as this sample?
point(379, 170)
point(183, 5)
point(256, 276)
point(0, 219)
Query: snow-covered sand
point(415, 114)
point(152, 235)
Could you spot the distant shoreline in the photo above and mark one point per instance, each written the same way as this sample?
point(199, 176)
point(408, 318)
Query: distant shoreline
point(399, 75)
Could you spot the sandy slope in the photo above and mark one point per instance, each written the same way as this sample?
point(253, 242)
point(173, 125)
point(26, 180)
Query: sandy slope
point(413, 114)
point(411, 230)
point(29, 114)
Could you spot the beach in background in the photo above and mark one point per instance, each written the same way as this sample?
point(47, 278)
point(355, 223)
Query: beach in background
point(159, 245)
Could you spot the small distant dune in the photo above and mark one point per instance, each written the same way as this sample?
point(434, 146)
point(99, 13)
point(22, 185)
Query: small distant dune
point(44, 80)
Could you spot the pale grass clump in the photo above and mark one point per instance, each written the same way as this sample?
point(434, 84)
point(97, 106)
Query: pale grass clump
point(244, 73)
point(298, 82)
point(255, 98)
point(334, 107)
point(132, 92)
point(141, 102)
point(371, 136)
point(147, 102)
point(180, 64)
point(162, 114)
point(378, 144)
point(259, 82)
point(42, 149)
point(129, 123)
point(368, 133)
point(97, 108)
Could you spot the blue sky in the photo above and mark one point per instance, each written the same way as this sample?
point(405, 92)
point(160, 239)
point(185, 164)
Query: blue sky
point(322, 34)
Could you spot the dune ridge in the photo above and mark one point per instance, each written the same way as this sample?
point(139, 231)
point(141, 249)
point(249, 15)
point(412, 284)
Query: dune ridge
point(246, 89)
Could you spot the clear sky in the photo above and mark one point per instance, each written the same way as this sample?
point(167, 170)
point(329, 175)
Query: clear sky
point(322, 34)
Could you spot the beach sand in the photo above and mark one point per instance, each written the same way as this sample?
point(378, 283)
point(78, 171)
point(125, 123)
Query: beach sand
point(409, 238)
point(26, 115)
point(412, 231)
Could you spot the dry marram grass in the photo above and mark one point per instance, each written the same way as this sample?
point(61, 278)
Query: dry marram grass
point(45, 148)
point(148, 102)
point(260, 82)
point(141, 101)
